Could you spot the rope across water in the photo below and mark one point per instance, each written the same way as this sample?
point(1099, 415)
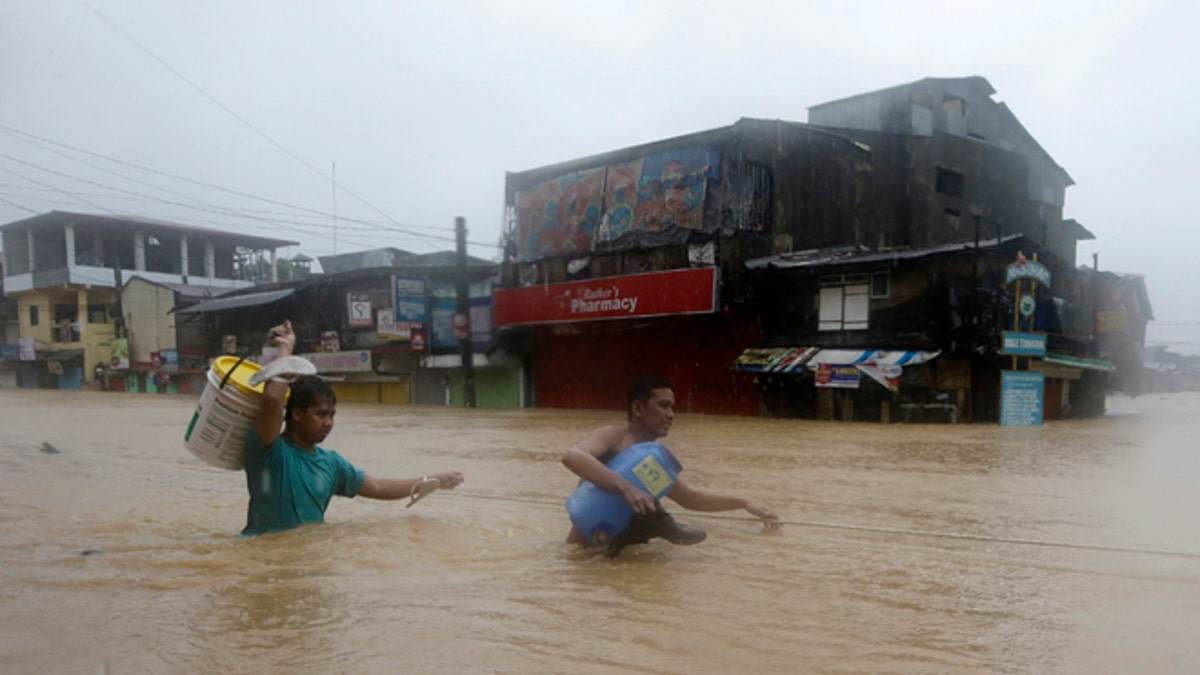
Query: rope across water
point(883, 530)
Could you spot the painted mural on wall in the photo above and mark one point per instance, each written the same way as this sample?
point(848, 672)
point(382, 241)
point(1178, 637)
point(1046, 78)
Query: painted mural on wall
point(569, 214)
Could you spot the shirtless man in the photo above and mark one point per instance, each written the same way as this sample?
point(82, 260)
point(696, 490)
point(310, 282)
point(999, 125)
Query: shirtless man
point(650, 412)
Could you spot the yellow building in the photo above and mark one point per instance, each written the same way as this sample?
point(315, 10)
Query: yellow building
point(66, 271)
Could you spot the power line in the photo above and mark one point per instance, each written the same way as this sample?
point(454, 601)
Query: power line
point(405, 229)
point(239, 118)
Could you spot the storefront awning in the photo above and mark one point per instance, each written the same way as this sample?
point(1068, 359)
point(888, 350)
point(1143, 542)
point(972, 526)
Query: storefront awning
point(64, 355)
point(1078, 362)
point(794, 359)
point(236, 302)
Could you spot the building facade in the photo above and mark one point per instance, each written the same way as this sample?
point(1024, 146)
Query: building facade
point(66, 271)
point(867, 250)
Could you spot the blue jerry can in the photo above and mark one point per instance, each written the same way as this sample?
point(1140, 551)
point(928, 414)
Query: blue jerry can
point(599, 514)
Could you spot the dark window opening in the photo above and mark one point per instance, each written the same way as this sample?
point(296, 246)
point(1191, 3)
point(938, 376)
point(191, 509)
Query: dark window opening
point(879, 285)
point(950, 183)
point(33, 315)
point(97, 313)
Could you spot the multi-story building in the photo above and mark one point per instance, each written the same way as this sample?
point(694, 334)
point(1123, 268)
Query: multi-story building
point(66, 271)
point(852, 267)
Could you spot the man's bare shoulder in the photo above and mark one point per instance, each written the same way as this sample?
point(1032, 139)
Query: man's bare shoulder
point(603, 439)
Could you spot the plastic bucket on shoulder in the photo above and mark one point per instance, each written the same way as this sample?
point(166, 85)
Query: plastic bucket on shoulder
point(600, 515)
point(227, 410)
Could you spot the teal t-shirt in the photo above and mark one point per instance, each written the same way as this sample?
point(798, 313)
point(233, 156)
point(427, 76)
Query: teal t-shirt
point(289, 486)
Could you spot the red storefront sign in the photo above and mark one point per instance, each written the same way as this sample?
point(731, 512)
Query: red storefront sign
point(692, 291)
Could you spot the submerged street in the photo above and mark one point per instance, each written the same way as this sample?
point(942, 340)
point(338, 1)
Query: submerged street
point(1067, 548)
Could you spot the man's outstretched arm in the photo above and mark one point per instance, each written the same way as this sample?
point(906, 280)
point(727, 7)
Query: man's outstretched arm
point(701, 500)
point(401, 488)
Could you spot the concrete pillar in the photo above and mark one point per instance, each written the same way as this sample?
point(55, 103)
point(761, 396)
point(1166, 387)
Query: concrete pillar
point(139, 252)
point(183, 257)
point(274, 269)
point(32, 252)
point(69, 238)
point(210, 261)
point(81, 314)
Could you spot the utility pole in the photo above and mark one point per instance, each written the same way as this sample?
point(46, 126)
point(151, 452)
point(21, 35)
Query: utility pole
point(462, 320)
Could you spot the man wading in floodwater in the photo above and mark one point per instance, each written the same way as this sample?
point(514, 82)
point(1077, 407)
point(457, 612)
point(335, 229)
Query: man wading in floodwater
point(650, 411)
point(290, 477)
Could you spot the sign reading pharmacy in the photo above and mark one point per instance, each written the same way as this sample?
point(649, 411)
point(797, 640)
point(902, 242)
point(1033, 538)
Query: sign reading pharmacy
point(690, 291)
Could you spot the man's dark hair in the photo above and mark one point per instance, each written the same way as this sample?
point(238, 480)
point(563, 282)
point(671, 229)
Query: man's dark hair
point(306, 392)
point(642, 388)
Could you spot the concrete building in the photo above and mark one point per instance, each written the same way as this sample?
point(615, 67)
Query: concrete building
point(66, 271)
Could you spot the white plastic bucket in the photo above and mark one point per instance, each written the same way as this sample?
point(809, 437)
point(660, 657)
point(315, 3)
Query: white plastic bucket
point(227, 410)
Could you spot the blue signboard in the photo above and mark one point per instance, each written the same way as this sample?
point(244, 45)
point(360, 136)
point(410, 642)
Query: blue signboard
point(410, 301)
point(444, 309)
point(1024, 344)
point(1021, 396)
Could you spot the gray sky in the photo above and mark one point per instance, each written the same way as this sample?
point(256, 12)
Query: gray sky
point(423, 106)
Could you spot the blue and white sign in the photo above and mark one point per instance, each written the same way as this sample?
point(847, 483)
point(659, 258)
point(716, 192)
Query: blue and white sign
point(410, 301)
point(1024, 344)
point(1021, 396)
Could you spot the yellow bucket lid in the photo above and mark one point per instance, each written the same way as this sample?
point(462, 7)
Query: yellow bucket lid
point(241, 375)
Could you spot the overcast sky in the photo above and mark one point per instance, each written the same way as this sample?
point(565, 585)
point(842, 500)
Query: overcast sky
point(233, 114)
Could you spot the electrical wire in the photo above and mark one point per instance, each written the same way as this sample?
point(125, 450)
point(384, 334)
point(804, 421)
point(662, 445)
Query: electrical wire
point(242, 120)
point(411, 230)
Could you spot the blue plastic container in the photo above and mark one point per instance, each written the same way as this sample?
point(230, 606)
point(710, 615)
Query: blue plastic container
point(599, 514)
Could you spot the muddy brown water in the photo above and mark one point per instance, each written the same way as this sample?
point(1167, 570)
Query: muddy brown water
point(1070, 548)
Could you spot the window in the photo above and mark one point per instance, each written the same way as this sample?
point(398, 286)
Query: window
point(950, 183)
point(97, 313)
point(33, 315)
point(880, 288)
point(954, 104)
point(844, 302)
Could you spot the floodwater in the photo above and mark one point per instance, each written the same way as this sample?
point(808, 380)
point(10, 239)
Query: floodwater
point(1069, 548)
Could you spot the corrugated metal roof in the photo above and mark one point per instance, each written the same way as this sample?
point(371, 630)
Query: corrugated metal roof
point(849, 255)
point(238, 301)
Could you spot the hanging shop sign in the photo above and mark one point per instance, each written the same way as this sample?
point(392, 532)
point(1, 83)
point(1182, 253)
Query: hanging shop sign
point(691, 291)
point(1024, 344)
point(1027, 269)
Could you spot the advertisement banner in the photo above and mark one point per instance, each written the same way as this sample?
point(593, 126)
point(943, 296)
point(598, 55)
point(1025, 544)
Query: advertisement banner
point(118, 350)
point(386, 328)
point(442, 330)
point(358, 361)
point(359, 304)
point(690, 291)
point(27, 350)
point(410, 297)
point(838, 376)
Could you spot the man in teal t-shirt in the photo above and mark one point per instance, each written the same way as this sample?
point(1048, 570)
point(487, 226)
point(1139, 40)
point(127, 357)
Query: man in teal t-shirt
point(290, 478)
point(290, 486)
